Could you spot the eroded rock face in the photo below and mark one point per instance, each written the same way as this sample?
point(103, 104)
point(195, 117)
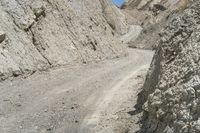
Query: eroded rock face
point(153, 15)
point(114, 17)
point(172, 88)
point(45, 33)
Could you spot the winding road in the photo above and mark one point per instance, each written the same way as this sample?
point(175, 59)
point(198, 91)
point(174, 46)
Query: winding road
point(93, 98)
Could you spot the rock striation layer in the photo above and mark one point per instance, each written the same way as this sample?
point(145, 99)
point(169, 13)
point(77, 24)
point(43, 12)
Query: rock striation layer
point(38, 34)
point(172, 88)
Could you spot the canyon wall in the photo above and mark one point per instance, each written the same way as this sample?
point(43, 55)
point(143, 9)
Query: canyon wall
point(39, 34)
point(172, 89)
point(153, 15)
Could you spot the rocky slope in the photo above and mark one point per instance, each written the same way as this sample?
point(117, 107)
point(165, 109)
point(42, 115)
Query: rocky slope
point(37, 35)
point(152, 16)
point(172, 88)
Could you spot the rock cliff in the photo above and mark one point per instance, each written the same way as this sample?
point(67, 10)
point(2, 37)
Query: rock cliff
point(172, 88)
point(37, 35)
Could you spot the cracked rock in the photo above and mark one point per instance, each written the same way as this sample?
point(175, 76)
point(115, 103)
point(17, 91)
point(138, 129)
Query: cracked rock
point(172, 86)
point(2, 36)
point(48, 33)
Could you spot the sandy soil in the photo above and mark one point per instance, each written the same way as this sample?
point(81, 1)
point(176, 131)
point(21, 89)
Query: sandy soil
point(92, 98)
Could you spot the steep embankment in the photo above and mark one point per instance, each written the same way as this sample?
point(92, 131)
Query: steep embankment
point(36, 35)
point(152, 16)
point(173, 84)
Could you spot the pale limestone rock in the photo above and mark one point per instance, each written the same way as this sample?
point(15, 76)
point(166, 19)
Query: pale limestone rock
point(45, 33)
point(171, 92)
point(115, 17)
point(132, 34)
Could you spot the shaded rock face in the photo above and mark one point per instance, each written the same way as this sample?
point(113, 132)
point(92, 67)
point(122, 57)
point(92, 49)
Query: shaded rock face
point(45, 33)
point(172, 88)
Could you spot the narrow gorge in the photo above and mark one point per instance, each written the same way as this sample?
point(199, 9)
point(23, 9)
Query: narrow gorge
point(99, 66)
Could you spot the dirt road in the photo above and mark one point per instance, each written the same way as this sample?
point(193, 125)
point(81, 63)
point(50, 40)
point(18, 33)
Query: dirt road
point(76, 99)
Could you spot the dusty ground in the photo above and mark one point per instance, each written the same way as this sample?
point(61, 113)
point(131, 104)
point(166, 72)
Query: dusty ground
point(89, 98)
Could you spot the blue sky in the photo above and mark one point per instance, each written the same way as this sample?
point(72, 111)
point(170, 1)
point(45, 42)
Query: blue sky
point(118, 3)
